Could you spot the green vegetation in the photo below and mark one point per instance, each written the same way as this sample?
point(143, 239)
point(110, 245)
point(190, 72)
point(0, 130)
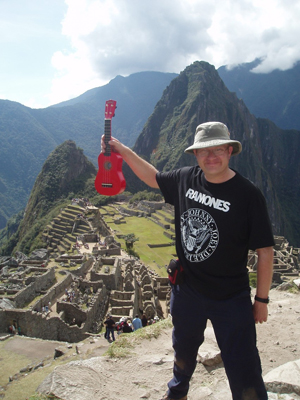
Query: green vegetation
point(126, 341)
point(294, 288)
point(65, 172)
point(148, 232)
point(120, 348)
point(29, 135)
point(23, 387)
point(25, 384)
point(146, 195)
point(10, 363)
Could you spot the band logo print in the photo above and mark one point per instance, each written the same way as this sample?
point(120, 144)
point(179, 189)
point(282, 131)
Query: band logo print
point(199, 234)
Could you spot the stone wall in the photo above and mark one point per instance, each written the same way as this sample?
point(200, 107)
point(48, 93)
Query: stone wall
point(71, 311)
point(41, 283)
point(161, 224)
point(35, 324)
point(155, 205)
point(90, 238)
point(94, 285)
point(84, 267)
point(56, 291)
point(113, 278)
point(108, 252)
point(162, 287)
point(95, 311)
point(170, 235)
point(77, 258)
point(153, 246)
point(129, 211)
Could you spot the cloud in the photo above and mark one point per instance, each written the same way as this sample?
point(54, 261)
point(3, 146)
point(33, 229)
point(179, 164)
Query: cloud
point(120, 37)
point(254, 29)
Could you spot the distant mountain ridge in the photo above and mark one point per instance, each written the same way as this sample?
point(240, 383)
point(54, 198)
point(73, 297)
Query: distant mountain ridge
point(66, 172)
point(269, 158)
point(196, 95)
point(275, 95)
point(29, 135)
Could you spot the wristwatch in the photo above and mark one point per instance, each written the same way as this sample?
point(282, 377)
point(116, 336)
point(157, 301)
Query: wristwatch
point(266, 301)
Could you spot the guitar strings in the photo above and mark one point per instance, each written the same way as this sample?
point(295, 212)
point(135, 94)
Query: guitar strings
point(107, 135)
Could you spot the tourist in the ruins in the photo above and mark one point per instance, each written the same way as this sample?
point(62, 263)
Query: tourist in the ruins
point(120, 324)
point(144, 320)
point(110, 331)
point(219, 216)
point(126, 328)
point(137, 323)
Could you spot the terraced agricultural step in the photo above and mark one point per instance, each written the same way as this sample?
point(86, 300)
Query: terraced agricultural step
point(81, 231)
point(67, 215)
point(61, 249)
point(75, 209)
point(57, 231)
point(55, 240)
point(65, 245)
point(71, 237)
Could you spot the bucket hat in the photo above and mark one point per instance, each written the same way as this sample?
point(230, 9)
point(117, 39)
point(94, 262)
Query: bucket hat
point(212, 134)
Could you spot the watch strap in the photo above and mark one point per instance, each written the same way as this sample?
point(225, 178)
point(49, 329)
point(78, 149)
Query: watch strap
point(261, 300)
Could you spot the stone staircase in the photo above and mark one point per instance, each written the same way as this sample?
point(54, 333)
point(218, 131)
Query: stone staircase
point(61, 233)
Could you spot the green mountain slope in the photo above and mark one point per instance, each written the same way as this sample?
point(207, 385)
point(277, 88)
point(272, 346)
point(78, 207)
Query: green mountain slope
point(28, 136)
point(269, 156)
point(198, 94)
point(275, 95)
point(25, 144)
point(66, 172)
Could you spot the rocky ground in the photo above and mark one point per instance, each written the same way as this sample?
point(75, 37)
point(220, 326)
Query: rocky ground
point(144, 373)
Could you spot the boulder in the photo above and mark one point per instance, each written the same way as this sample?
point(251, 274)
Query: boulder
point(209, 353)
point(82, 380)
point(40, 254)
point(297, 282)
point(284, 379)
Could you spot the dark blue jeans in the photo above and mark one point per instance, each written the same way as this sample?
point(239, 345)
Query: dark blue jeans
point(110, 331)
point(234, 327)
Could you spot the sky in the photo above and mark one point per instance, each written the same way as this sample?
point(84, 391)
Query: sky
point(55, 50)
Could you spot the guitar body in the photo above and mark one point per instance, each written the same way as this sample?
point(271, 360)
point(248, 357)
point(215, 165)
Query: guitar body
point(110, 180)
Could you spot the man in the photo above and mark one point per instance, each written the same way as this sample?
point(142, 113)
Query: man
point(219, 216)
point(137, 323)
point(110, 328)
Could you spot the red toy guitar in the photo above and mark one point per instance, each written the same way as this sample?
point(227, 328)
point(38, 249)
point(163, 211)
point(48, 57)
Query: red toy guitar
point(110, 180)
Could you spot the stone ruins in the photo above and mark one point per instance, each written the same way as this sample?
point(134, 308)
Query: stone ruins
point(64, 291)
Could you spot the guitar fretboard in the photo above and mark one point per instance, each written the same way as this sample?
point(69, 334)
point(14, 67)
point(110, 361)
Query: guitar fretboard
point(107, 136)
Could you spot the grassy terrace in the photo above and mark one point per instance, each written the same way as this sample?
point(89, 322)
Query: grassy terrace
point(148, 233)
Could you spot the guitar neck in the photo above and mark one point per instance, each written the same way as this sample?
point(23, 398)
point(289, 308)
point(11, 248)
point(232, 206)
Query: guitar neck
point(107, 137)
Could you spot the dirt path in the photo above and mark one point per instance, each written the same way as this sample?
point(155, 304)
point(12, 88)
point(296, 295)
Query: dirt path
point(145, 373)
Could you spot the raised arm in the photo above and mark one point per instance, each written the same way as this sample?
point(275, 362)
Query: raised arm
point(142, 169)
point(264, 280)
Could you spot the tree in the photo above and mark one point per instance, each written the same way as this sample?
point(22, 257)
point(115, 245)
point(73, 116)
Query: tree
point(129, 240)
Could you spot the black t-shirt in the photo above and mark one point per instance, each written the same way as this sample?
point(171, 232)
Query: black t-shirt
point(110, 323)
point(216, 225)
point(127, 328)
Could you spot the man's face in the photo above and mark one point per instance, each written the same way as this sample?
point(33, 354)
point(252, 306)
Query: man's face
point(214, 160)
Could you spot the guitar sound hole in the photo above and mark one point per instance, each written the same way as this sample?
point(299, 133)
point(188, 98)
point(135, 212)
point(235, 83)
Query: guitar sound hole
point(107, 165)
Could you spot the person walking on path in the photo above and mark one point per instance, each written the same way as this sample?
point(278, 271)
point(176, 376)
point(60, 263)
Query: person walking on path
point(110, 328)
point(219, 217)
